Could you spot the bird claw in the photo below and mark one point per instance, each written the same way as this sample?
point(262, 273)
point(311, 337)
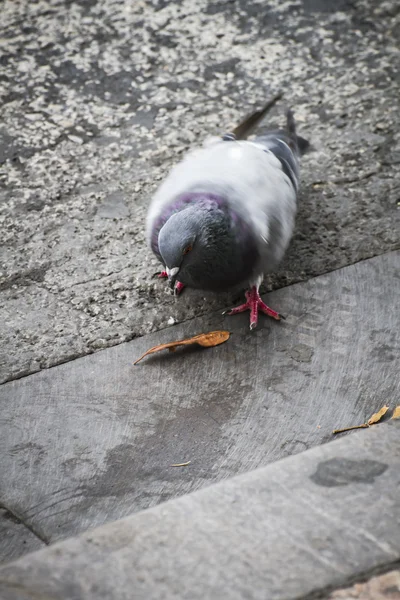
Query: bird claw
point(158, 275)
point(175, 286)
point(254, 304)
point(178, 287)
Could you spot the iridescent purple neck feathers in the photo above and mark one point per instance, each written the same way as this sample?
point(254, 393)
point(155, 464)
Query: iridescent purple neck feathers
point(209, 246)
point(199, 198)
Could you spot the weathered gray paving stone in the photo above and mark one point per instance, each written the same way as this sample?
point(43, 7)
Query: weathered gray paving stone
point(15, 538)
point(279, 533)
point(99, 99)
point(93, 440)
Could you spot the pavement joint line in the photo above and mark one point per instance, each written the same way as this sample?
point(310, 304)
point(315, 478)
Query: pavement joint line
point(40, 537)
point(188, 320)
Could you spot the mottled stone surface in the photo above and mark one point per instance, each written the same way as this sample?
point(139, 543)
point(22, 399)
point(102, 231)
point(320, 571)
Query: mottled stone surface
point(272, 534)
point(93, 440)
point(384, 587)
point(15, 538)
point(100, 98)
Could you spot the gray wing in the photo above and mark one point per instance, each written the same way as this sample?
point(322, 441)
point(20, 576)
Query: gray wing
point(280, 145)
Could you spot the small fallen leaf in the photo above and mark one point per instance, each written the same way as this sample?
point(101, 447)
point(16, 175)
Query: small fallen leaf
point(363, 426)
point(182, 464)
point(376, 417)
point(207, 340)
point(396, 413)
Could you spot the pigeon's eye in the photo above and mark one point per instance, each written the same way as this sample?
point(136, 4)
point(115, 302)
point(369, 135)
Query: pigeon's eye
point(187, 249)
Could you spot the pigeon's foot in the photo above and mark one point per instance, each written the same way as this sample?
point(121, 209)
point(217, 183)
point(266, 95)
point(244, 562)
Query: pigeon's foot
point(178, 286)
point(254, 304)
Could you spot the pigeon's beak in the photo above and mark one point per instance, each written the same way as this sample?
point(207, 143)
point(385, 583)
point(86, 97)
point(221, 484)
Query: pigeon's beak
point(172, 275)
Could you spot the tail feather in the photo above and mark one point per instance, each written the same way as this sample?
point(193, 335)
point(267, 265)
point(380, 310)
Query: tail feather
point(299, 143)
point(290, 123)
point(248, 125)
point(302, 144)
point(244, 129)
point(286, 145)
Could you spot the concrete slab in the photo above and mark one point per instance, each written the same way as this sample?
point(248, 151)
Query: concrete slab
point(294, 530)
point(100, 98)
point(92, 440)
point(15, 538)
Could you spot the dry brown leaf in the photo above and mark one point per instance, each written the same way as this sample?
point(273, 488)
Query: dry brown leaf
point(363, 426)
point(396, 413)
point(376, 417)
point(182, 464)
point(212, 338)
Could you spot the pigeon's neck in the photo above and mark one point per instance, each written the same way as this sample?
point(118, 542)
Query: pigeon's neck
point(205, 200)
point(200, 199)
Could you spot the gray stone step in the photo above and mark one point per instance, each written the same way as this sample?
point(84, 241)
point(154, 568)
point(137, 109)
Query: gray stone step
point(297, 528)
point(15, 538)
point(92, 440)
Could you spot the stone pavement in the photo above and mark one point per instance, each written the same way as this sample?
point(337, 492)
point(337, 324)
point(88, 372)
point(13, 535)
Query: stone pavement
point(295, 529)
point(100, 98)
point(15, 537)
point(93, 440)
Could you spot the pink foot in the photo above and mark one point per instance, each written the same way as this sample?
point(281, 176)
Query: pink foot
point(178, 287)
point(255, 304)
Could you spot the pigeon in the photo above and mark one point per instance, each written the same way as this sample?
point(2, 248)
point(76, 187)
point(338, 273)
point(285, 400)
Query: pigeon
point(224, 216)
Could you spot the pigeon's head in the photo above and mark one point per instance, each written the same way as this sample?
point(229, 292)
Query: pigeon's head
point(181, 243)
point(202, 248)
